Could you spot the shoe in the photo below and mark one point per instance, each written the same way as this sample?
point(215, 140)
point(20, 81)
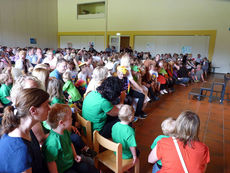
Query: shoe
point(143, 114)
point(162, 92)
point(89, 153)
point(142, 117)
point(165, 91)
point(135, 119)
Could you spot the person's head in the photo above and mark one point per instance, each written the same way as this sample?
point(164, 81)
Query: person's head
point(44, 66)
point(55, 88)
point(22, 55)
point(168, 126)
point(60, 115)
point(31, 51)
point(110, 88)
point(43, 76)
point(100, 73)
point(23, 82)
point(121, 72)
point(125, 60)
point(6, 79)
point(198, 67)
point(29, 103)
point(50, 54)
point(71, 65)
point(126, 113)
point(187, 127)
point(61, 65)
point(66, 76)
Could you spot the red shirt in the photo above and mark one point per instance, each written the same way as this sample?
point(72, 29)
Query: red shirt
point(195, 158)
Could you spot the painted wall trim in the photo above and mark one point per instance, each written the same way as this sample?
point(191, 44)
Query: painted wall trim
point(132, 34)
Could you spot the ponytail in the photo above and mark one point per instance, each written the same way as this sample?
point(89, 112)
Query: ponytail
point(10, 120)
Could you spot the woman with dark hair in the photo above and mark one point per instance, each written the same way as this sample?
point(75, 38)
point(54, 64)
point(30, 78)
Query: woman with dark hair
point(184, 152)
point(30, 107)
point(97, 107)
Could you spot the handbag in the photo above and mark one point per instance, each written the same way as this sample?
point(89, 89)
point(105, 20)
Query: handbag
point(180, 155)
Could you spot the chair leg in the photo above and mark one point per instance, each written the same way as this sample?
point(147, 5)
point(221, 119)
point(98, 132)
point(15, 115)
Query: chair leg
point(137, 166)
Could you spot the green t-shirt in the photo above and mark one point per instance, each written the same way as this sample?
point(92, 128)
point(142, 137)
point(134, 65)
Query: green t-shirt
point(5, 92)
point(94, 109)
point(155, 143)
point(162, 71)
point(72, 91)
point(124, 134)
point(57, 100)
point(46, 127)
point(58, 148)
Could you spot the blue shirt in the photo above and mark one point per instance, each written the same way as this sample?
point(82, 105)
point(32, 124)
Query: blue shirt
point(14, 154)
point(56, 74)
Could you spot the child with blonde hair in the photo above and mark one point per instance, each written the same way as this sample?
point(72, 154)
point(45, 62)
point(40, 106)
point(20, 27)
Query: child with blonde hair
point(6, 82)
point(168, 128)
point(55, 91)
point(124, 134)
point(69, 87)
point(58, 149)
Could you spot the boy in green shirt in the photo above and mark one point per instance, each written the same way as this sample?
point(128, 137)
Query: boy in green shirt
point(58, 149)
point(124, 134)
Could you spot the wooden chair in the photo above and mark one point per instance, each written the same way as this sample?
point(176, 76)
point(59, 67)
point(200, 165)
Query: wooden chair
point(87, 133)
point(108, 158)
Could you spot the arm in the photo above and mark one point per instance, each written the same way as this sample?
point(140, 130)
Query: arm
point(76, 157)
point(152, 158)
point(134, 153)
point(136, 85)
point(122, 97)
point(114, 111)
point(52, 166)
point(28, 170)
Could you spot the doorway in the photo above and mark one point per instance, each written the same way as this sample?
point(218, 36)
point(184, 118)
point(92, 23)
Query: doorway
point(124, 42)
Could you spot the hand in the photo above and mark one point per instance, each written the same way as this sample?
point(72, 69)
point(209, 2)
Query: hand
point(134, 160)
point(77, 158)
point(69, 97)
point(75, 130)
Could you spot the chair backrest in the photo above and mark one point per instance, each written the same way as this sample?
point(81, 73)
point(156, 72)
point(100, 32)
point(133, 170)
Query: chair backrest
point(109, 145)
point(87, 125)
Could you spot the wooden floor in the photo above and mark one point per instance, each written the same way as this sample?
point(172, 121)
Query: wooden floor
point(214, 130)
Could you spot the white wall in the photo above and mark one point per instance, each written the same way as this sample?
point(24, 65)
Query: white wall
point(172, 44)
point(21, 20)
point(80, 42)
point(158, 15)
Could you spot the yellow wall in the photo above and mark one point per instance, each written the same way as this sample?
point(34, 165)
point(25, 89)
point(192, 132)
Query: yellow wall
point(153, 16)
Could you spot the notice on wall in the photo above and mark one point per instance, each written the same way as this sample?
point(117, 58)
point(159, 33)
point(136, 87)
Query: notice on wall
point(186, 50)
point(69, 45)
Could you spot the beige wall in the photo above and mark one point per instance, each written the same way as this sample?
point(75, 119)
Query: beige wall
point(150, 15)
point(21, 20)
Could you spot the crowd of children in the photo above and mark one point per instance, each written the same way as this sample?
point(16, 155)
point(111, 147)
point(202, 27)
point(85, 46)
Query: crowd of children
point(71, 76)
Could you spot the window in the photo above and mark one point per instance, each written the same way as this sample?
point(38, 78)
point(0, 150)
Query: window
point(91, 10)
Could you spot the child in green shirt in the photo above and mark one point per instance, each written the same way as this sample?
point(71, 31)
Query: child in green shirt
point(69, 87)
point(168, 127)
point(124, 134)
point(6, 82)
point(58, 149)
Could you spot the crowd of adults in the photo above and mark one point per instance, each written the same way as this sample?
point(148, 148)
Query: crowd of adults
point(98, 83)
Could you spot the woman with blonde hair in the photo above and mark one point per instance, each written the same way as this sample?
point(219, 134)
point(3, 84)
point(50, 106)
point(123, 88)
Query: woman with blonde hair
point(99, 74)
point(184, 152)
point(43, 75)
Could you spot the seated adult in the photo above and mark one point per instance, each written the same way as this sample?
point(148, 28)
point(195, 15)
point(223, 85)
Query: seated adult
point(60, 69)
point(195, 154)
point(182, 75)
point(97, 107)
point(17, 153)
